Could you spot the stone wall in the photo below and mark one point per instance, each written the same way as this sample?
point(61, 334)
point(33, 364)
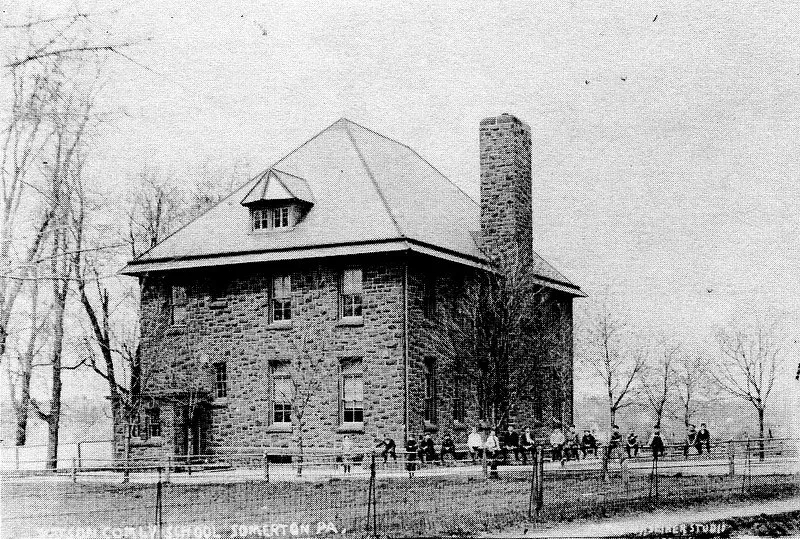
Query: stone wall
point(235, 328)
point(506, 211)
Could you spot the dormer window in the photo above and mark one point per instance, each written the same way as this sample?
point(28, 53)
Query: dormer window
point(266, 218)
point(278, 200)
point(280, 217)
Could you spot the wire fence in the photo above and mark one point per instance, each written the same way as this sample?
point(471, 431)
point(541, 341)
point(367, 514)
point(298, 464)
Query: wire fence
point(257, 494)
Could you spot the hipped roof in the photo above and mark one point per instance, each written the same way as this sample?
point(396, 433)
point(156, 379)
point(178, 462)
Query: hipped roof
point(369, 194)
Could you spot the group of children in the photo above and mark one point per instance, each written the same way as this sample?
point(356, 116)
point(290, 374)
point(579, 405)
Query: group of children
point(564, 445)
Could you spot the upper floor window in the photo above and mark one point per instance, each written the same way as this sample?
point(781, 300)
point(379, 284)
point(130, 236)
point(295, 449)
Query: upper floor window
point(351, 293)
point(429, 296)
point(265, 218)
point(221, 380)
point(281, 298)
point(282, 394)
point(218, 288)
point(352, 392)
point(177, 304)
point(459, 412)
point(280, 217)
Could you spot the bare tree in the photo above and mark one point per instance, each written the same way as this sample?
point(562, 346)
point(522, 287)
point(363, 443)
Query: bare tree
point(616, 360)
point(504, 329)
point(692, 383)
point(660, 376)
point(25, 141)
point(156, 209)
point(307, 376)
point(19, 379)
point(750, 357)
point(54, 80)
point(71, 118)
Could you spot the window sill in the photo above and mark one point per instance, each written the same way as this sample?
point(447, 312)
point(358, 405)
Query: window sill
point(220, 402)
point(280, 324)
point(430, 427)
point(352, 428)
point(217, 304)
point(155, 441)
point(350, 321)
point(176, 329)
point(279, 427)
point(272, 230)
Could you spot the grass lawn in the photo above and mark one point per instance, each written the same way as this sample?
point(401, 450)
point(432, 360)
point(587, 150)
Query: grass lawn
point(434, 505)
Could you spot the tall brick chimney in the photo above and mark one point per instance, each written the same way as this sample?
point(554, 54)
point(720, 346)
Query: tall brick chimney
point(506, 213)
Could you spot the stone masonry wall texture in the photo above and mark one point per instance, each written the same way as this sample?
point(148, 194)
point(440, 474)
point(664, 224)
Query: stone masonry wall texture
point(228, 320)
point(237, 330)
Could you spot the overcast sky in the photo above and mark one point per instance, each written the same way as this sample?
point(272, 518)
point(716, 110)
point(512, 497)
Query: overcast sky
point(665, 161)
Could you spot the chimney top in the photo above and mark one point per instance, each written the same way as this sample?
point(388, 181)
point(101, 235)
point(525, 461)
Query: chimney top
point(504, 118)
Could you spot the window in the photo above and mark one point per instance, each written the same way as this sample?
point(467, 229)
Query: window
point(265, 218)
point(220, 380)
point(149, 424)
point(153, 419)
point(350, 295)
point(281, 298)
point(260, 219)
point(429, 296)
point(280, 217)
point(352, 392)
point(459, 413)
point(430, 390)
point(177, 304)
point(282, 395)
point(218, 288)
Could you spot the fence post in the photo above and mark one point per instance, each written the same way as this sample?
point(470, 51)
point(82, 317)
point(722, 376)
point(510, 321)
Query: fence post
point(265, 465)
point(483, 464)
point(532, 502)
point(159, 521)
point(540, 481)
point(623, 464)
point(731, 459)
point(372, 520)
point(80, 464)
point(74, 471)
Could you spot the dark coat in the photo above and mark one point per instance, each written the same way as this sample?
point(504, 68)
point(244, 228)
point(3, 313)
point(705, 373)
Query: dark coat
point(588, 440)
point(510, 439)
point(411, 449)
point(448, 445)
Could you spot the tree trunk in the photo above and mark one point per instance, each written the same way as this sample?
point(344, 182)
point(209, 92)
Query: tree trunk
point(60, 289)
point(21, 409)
point(761, 433)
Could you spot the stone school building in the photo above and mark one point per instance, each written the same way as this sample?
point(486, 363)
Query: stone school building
point(317, 300)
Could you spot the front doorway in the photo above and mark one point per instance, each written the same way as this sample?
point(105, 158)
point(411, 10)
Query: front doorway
point(196, 424)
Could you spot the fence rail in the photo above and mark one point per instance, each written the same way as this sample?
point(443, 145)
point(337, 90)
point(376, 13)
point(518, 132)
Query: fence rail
point(359, 492)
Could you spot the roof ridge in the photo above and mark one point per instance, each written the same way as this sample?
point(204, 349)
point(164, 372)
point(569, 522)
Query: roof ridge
point(305, 143)
point(415, 153)
point(372, 179)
